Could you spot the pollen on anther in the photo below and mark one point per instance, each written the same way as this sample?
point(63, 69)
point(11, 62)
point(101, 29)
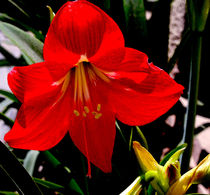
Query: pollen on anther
point(98, 115)
point(86, 109)
point(98, 107)
point(94, 113)
point(76, 112)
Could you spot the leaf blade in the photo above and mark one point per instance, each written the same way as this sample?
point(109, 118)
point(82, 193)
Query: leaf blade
point(30, 47)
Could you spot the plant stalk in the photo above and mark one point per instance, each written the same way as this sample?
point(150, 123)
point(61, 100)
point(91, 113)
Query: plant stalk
point(189, 121)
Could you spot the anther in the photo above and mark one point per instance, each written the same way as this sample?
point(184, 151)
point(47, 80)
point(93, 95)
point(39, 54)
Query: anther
point(98, 115)
point(94, 113)
point(76, 112)
point(98, 107)
point(86, 109)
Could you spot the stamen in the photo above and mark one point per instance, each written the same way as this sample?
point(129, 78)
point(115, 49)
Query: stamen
point(79, 85)
point(94, 113)
point(65, 80)
point(100, 74)
point(91, 74)
point(98, 115)
point(86, 109)
point(98, 107)
point(84, 82)
point(59, 81)
point(76, 112)
point(75, 85)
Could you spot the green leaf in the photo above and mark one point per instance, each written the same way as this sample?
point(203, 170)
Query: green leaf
point(197, 14)
point(4, 104)
point(167, 157)
point(4, 63)
point(16, 172)
point(9, 95)
point(56, 163)
point(30, 47)
point(5, 18)
point(135, 20)
point(120, 131)
point(52, 14)
point(12, 105)
point(75, 187)
point(51, 158)
point(10, 58)
point(18, 7)
point(30, 161)
point(143, 138)
point(130, 140)
point(8, 193)
point(7, 120)
point(48, 184)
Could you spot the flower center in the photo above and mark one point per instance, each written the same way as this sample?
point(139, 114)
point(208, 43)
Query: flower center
point(84, 75)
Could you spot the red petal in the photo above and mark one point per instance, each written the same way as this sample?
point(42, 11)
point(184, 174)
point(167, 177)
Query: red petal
point(54, 50)
point(81, 28)
point(93, 131)
point(41, 123)
point(112, 48)
point(132, 63)
point(140, 97)
point(29, 82)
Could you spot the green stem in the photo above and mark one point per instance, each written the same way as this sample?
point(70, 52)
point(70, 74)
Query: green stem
point(193, 96)
point(16, 172)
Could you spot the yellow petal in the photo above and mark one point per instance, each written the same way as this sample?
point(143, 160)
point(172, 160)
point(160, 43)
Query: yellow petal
point(174, 157)
point(145, 159)
point(193, 176)
point(173, 172)
point(203, 170)
point(133, 189)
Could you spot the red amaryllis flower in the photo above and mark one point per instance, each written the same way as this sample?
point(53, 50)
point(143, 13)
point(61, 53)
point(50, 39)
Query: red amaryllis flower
point(88, 78)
